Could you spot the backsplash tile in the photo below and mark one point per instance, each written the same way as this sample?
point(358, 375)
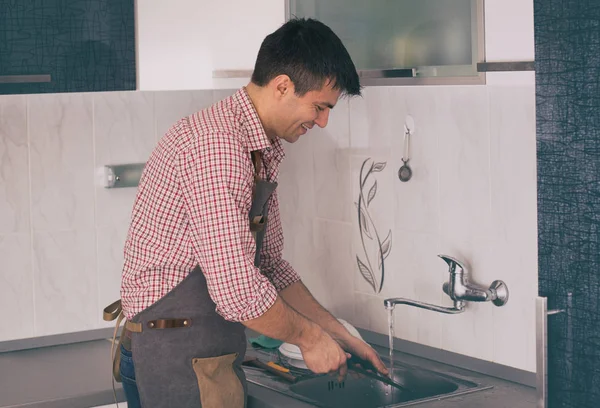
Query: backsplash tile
point(330, 151)
point(124, 132)
point(124, 128)
point(61, 151)
point(459, 202)
point(415, 272)
point(417, 201)
point(66, 281)
point(514, 211)
point(298, 186)
point(16, 281)
point(174, 105)
point(462, 118)
point(463, 200)
point(14, 165)
point(332, 266)
point(377, 118)
point(110, 243)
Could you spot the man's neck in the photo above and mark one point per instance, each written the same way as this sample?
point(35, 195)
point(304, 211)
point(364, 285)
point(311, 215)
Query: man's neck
point(260, 101)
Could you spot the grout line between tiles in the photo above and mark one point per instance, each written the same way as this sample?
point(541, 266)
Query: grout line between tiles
point(157, 137)
point(490, 192)
point(95, 223)
point(345, 223)
point(440, 216)
point(31, 230)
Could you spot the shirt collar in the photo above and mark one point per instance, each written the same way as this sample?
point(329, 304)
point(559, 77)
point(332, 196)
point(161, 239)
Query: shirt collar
point(255, 132)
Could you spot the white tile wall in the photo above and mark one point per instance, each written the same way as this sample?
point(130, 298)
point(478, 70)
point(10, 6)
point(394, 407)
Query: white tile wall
point(14, 166)
point(61, 232)
point(16, 281)
point(65, 282)
point(62, 172)
point(472, 196)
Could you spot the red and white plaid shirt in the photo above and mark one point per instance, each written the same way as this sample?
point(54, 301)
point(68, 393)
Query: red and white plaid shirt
point(192, 209)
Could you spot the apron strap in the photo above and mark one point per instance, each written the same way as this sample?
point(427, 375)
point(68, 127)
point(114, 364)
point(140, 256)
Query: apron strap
point(257, 161)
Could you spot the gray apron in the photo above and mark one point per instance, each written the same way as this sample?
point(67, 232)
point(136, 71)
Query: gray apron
point(187, 355)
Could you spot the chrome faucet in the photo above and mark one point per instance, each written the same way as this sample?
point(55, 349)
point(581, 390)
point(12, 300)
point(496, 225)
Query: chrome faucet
point(458, 286)
point(460, 291)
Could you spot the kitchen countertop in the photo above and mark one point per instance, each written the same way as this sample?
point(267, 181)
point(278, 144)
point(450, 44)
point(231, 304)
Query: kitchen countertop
point(79, 376)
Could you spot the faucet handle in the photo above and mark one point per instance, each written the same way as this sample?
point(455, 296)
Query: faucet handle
point(454, 265)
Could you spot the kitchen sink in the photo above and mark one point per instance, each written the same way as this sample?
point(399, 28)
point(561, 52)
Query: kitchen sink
point(371, 393)
point(420, 385)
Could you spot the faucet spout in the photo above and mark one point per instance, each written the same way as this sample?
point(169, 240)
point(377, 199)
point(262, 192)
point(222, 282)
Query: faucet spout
point(459, 306)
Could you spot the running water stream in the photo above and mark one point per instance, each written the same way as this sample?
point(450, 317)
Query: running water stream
point(391, 340)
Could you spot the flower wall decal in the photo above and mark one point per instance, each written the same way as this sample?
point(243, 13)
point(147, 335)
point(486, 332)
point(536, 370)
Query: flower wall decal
point(372, 244)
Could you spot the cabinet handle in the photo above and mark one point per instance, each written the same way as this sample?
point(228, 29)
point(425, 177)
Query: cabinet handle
point(388, 73)
point(368, 73)
point(541, 317)
point(24, 79)
point(506, 66)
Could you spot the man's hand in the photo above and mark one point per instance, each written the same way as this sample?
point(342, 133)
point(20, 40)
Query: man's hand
point(320, 351)
point(362, 350)
point(324, 355)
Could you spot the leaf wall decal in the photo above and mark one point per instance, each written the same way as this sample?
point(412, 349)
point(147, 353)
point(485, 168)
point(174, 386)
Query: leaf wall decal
point(379, 167)
point(362, 219)
point(372, 193)
point(366, 273)
point(386, 246)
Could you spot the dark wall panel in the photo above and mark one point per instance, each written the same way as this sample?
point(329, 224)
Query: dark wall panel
point(567, 38)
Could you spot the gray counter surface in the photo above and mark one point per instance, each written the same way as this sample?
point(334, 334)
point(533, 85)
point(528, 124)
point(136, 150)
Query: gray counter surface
point(79, 376)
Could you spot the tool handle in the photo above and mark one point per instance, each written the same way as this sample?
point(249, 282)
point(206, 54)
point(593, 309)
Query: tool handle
point(270, 368)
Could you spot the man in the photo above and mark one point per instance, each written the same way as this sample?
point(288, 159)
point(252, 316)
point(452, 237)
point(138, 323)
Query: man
point(203, 255)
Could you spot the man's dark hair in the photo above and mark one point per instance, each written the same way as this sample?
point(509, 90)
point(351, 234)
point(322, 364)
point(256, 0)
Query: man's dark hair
point(309, 53)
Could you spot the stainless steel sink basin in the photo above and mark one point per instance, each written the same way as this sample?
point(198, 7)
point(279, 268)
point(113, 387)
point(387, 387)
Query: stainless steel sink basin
point(364, 392)
point(371, 393)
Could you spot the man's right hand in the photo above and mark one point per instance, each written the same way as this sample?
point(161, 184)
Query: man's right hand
point(322, 354)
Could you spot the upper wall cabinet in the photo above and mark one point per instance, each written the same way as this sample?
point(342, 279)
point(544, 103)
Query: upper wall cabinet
point(67, 46)
point(396, 42)
point(182, 43)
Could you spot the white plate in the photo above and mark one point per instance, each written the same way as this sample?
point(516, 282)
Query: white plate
point(294, 355)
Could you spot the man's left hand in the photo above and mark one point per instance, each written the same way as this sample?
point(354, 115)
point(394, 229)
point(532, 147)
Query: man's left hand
point(363, 351)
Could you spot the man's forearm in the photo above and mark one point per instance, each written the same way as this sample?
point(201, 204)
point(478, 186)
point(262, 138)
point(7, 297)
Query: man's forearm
point(299, 297)
point(284, 323)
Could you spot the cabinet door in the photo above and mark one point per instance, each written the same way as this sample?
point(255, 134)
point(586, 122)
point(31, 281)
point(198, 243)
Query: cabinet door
point(66, 46)
point(424, 38)
point(182, 43)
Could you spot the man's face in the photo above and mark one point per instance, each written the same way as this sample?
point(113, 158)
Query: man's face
point(299, 114)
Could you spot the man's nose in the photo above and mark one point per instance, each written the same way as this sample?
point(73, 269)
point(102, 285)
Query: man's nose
point(322, 118)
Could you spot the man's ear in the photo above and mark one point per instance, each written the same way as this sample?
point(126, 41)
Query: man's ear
point(282, 86)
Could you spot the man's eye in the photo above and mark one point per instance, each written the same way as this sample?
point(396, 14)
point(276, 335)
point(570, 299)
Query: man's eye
point(319, 109)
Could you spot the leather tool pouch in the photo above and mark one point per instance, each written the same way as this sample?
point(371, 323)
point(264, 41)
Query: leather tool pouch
point(219, 385)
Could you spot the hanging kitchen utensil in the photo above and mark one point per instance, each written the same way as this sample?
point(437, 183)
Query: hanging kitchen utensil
point(405, 172)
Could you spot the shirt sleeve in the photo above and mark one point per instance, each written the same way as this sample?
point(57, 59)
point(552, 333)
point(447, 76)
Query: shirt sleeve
point(216, 179)
point(272, 265)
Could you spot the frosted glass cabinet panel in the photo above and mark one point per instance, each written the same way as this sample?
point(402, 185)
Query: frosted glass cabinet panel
point(420, 38)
